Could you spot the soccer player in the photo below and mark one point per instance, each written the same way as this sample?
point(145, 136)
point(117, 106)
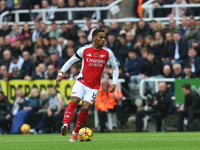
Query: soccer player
point(94, 58)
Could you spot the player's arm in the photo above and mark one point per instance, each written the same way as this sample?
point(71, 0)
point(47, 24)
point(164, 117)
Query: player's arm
point(66, 66)
point(114, 65)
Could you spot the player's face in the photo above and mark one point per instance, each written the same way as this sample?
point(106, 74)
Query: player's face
point(99, 39)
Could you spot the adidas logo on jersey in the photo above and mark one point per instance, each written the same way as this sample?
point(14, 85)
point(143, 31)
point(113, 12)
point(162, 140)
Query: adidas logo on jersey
point(89, 55)
point(102, 56)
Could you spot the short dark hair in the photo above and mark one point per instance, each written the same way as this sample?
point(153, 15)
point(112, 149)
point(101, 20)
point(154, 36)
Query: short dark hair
point(187, 86)
point(96, 31)
point(187, 66)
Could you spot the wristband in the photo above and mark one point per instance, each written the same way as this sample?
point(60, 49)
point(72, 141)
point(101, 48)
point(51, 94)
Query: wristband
point(60, 74)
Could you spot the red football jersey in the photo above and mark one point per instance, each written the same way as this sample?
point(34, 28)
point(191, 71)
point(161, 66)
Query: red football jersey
point(93, 64)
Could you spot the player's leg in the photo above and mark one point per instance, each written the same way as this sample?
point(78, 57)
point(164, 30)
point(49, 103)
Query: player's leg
point(69, 114)
point(88, 99)
point(76, 96)
point(82, 117)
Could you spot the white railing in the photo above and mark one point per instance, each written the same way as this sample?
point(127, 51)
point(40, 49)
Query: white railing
point(142, 84)
point(149, 8)
point(68, 10)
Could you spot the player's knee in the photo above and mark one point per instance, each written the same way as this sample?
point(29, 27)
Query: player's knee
point(75, 100)
point(85, 108)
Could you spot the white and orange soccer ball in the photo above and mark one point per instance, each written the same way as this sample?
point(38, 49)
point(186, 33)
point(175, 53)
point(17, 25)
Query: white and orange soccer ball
point(85, 134)
point(25, 128)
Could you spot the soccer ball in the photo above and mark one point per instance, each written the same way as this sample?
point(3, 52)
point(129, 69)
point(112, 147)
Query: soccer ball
point(25, 128)
point(85, 134)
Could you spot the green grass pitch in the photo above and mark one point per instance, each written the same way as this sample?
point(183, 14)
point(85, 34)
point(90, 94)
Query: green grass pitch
point(104, 141)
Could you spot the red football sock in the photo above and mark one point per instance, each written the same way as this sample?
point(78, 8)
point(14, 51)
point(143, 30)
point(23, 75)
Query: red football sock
point(82, 117)
point(69, 113)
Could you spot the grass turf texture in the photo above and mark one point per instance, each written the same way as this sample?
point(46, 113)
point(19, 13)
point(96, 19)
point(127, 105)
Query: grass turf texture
point(104, 141)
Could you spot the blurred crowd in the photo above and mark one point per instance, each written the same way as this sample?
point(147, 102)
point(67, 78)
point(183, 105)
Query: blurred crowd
point(52, 5)
point(143, 50)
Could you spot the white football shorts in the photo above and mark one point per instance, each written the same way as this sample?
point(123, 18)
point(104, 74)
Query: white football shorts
point(83, 92)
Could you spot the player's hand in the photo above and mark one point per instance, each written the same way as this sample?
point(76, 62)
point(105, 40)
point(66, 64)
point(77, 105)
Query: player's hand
point(113, 87)
point(58, 80)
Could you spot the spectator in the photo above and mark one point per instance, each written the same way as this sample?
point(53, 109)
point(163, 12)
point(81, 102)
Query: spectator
point(5, 29)
point(151, 68)
point(28, 45)
point(72, 4)
point(187, 72)
point(44, 31)
point(54, 112)
point(5, 116)
point(27, 66)
point(51, 72)
point(132, 65)
point(53, 7)
point(152, 26)
point(56, 61)
point(90, 27)
point(46, 59)
point(139, 43)
point(167, 46)
point(100, 23)
point(36, 32)
point(191, 31)
point(38, 44)
point(60, 15)
point(74, 71)
point(26, 32)
point(45, 5)
point(177, 69)
point(62, 44)
point(18, 105)
point(83, 15)
point(82, 41)
point(68, 53)
point(72, 31)
point(112, 42)
point(114, 28)
point(46, 44)
point(129, 40)
point(161, 28)
point(39, 56)
point(179, 49)
point(160, 105)
point(40, 72)
point(148, 42)
point(190, 109)
point(6, 58)
point(122, 50)
point(37, 16)
point(15, 31)
point(107, 102)
point(158, 45)
point(16, 74)
point(128, 28)
point(63, 28)
point(3, 8)
point(142, 28)
point(181, 10)
point(173, 27)
point(54, 32)
point(3, 70)
point(194, 61)
point(184, 26)
point(194, 11)
point(159, 12)
point(53, 46)
point(167, 71)
point(17, 61)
